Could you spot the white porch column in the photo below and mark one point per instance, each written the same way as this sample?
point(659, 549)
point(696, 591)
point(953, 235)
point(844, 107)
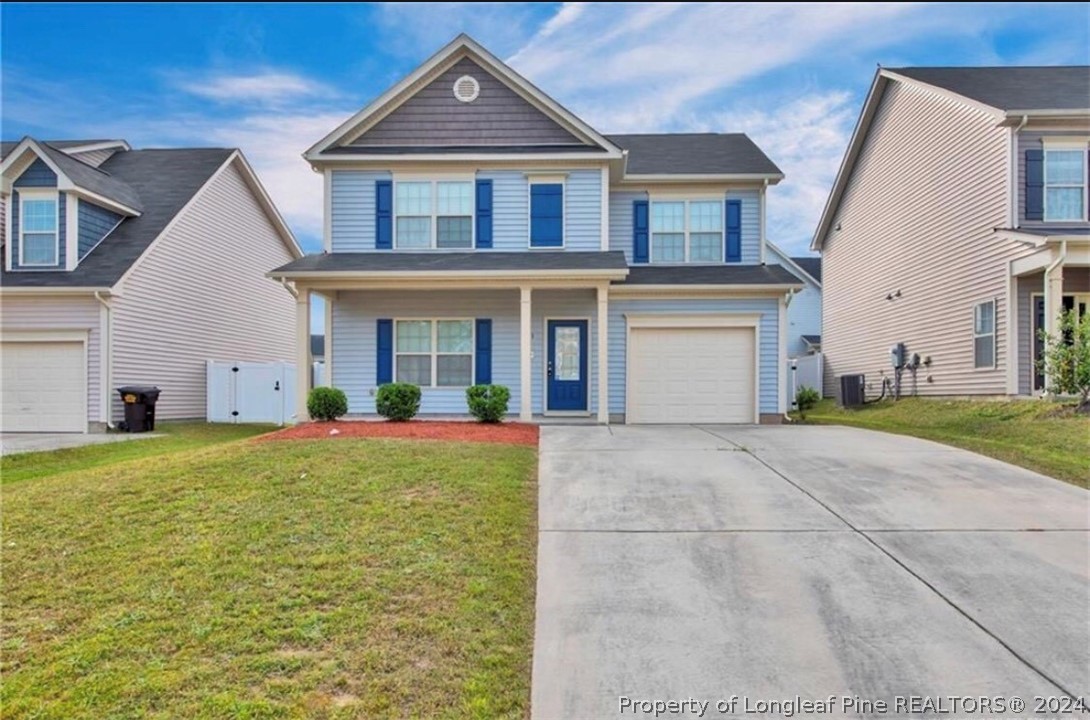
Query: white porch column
point(302, 354)
point(603, 354)
point(1054, 290)
point(526, 400)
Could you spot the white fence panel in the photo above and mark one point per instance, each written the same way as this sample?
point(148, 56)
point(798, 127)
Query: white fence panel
point(805, 371)
point(250, 392)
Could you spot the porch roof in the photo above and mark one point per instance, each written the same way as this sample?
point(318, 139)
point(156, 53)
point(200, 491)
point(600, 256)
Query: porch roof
point(712, 275)
point(1046, 231)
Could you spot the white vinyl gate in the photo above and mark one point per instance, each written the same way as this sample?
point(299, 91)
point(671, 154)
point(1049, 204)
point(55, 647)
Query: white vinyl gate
point(251, 392)
point(805, 371)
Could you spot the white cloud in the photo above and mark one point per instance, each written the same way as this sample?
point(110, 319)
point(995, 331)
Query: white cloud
point(262, 87)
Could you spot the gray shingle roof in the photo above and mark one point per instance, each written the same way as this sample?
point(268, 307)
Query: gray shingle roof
point(454, 261)
point(457, 149)
point(1012, 88)
point(7, 146)
point(96, 180)
point(811, 264)
point(167, 180)
point(711, 275)
point(1049, 230)
point(694, 154)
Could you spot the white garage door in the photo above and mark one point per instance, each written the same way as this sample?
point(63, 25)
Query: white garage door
point(44, 387)
point(691, 375)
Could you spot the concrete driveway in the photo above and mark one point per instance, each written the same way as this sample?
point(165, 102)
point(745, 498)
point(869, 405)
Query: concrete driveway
point(701, 563)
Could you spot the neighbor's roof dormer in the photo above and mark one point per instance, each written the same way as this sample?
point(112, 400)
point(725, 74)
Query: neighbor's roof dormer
point(73, 176)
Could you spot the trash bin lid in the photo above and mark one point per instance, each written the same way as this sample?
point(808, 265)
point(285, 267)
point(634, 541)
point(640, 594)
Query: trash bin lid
point(138, 389)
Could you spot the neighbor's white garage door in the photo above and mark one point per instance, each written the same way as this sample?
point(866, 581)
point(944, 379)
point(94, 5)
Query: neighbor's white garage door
point(691, 375)
point(44, 387)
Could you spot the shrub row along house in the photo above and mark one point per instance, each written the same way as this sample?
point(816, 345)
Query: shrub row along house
point(126, 266)
point(478, 232)
point(958, 226)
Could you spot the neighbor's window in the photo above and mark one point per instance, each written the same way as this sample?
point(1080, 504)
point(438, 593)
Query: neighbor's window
point(435, 214)
point(38, 230)
point(984, 335)
point(434, 353)
point(687, 231)
point(1065, 184)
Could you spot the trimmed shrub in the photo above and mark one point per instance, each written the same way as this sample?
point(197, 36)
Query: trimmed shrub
point(326, 403)
point(806, 398)
point(488, 403)
point(397, 401)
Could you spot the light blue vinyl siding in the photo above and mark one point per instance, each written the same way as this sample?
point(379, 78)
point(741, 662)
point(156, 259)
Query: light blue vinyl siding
point(804, 312)
point(94, 223)
point(620, 222)
point(37, 174)
point(768, 390)
point(354, 352)
point(62, 225)
point(353, 209)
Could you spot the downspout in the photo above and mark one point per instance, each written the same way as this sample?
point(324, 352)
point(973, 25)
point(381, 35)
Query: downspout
point(1013, 173)
point(764, 197)
point(787, 298)
point(1049, 310)
point(107, 359)
point(289, 287)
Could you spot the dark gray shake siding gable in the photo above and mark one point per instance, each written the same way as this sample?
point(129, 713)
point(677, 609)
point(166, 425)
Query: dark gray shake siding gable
point(38, 175)
point(94, 223)
point(498, 116)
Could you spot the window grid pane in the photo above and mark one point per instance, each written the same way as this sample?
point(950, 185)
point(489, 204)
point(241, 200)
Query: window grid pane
point(984, 351)
point(39, 249)
point(414, 198)
point(414, 232)
point(1064, 167)
point(454, 370)
point(454, 232)
point(415, 369)
point(705, 216)
point(414, 336)
point(985, 318)
point(668, 247)
point(706, 247)
point(455, 336)
point(1064, 203)
point(454, 198)
point(668, 217)
point(39, 216)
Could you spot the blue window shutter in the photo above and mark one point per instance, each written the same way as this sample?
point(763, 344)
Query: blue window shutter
point(546, 215)
point(484, 214)
point(1035, 185)
point(641, 227)
point(384, 349)
point(483, 374)
point(384, 215)
point(734, 231)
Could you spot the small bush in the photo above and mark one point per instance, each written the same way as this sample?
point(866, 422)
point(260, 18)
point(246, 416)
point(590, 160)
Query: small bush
point(806, 398)
point(398, 401)
point(488, 403)
point(326, 403)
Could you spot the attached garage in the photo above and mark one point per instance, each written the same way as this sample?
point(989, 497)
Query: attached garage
point(44, 385)
point(692, 369)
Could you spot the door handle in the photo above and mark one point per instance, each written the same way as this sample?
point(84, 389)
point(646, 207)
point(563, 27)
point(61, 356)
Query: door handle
point(550, 368)
point(277, 387)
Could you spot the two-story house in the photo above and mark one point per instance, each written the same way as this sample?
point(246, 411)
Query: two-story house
point(476, 231)
point(124, 266)
point(958, 226)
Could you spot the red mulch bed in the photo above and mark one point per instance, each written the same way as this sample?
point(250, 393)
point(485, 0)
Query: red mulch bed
point(508, 433)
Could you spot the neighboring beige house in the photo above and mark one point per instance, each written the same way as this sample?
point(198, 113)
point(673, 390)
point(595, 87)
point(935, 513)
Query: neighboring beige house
point(126, 267)
point(958, 226)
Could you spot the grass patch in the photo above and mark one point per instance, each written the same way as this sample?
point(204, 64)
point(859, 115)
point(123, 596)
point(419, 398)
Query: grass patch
point(1042, 436)
point(362, 578)
point(175, 436)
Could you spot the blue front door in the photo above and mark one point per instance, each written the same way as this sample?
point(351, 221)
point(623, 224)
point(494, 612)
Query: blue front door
point(566, 365)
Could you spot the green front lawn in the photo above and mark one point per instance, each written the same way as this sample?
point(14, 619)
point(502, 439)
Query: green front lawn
point(175, 436)
point(345, 579)
point(1042, 436)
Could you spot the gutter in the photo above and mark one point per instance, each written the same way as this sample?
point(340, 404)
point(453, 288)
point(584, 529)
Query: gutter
point(107, 360)
point(289, 287)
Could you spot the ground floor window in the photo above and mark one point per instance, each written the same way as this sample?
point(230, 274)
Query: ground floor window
point(984, 335)
point(434, 353)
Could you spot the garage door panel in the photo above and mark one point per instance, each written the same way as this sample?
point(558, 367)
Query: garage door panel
point(692, 375)
point(44, 387)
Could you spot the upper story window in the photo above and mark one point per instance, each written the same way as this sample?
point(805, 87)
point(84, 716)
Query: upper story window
point(38, 240)
point(686, 231)
point(546, 213)
point(1065, 183)
point(433, 214)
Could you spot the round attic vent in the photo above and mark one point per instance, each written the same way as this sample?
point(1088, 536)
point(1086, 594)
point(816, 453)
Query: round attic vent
point(466, 88)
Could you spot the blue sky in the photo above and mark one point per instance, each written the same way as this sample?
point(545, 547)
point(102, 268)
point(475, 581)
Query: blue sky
point(273, 79)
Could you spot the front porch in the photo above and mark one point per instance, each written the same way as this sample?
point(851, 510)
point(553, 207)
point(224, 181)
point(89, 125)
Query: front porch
point(1045, 283)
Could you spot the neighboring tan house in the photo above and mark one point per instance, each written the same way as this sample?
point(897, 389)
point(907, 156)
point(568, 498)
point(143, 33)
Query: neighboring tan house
point(125, 267)
point(478, 232)
point(804, 308)
point(958, 226)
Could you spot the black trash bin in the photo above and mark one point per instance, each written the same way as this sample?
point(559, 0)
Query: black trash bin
point(139, 407)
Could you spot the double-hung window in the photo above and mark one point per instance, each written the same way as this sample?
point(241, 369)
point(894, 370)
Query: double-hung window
point(434, 353)
point(38, 242)
point(433, 214)
point(1065, 183)
point(984, 335)
point(686, 231)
